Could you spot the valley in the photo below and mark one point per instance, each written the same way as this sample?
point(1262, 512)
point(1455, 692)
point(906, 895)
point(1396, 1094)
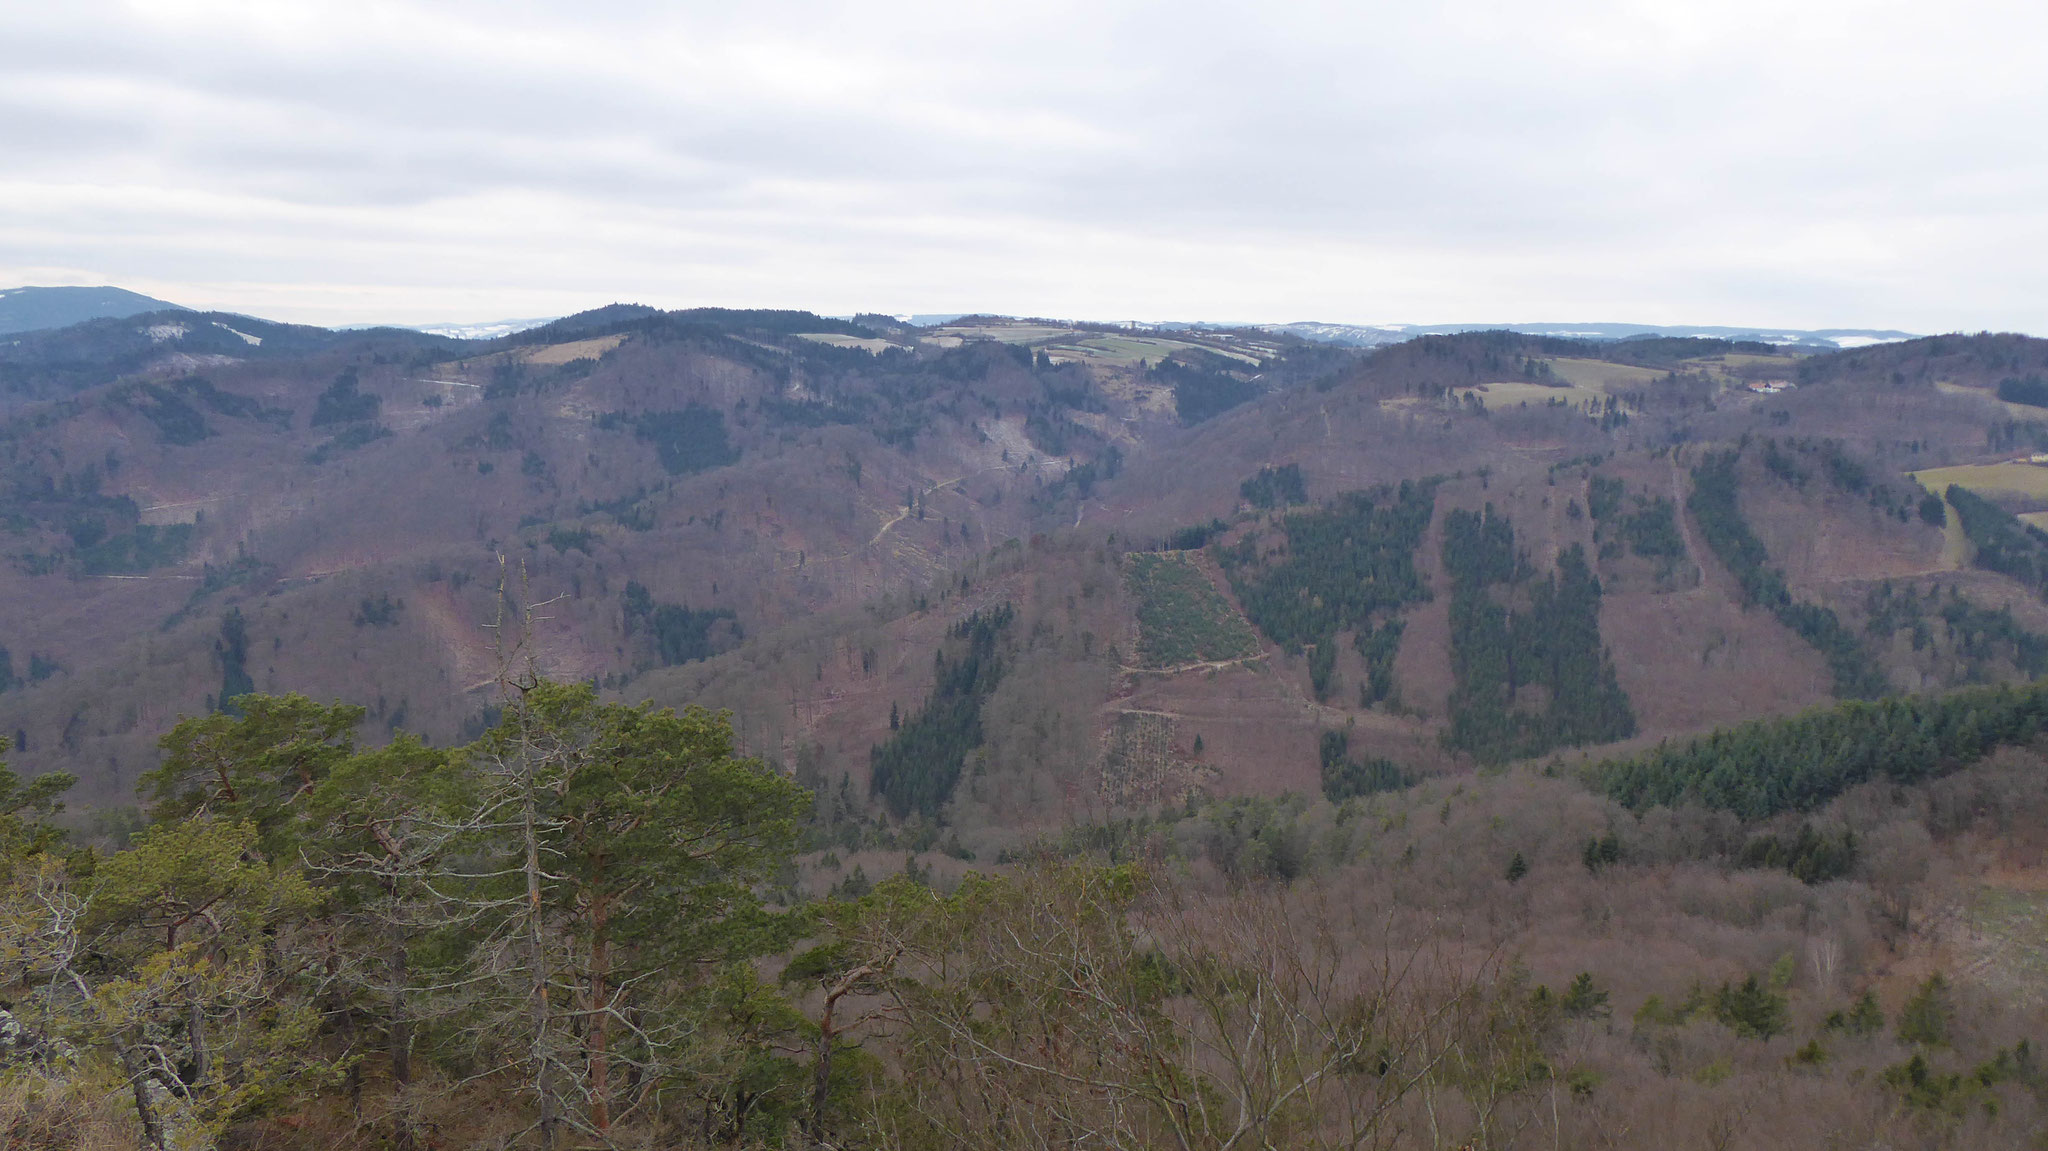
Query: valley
point(1657, 662)
point(829, 489)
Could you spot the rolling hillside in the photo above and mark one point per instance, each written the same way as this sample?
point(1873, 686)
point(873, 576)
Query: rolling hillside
point(786, 515)
point(34, 309)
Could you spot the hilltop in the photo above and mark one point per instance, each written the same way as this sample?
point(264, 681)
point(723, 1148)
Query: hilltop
point(34, 309)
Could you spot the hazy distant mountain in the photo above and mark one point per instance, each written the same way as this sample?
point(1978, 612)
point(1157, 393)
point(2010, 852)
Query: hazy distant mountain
point(481, 330)
point(1374, 335)
point(33, 309)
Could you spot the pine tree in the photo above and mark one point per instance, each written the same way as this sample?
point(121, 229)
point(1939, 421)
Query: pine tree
point(1584, 999)
point(1926, 1017)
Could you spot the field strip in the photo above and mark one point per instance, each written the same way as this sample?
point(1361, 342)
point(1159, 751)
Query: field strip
point(1210, 664)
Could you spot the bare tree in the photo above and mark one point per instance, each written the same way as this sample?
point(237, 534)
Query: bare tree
point(1083, 1007)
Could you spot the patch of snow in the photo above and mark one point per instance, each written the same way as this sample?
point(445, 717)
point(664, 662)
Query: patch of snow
point(158, 333)
point(252, 341)
point(488, 330)
point(1849, 342)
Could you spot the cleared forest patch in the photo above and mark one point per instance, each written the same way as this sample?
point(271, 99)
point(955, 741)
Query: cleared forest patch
point(1508, 393)
point(558, 354)
point(1182, 618)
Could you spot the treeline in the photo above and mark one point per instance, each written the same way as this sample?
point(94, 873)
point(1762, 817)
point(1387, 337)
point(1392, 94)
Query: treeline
point(917, 769)
point(2029, 390)
point(2000, 541)
point(1766, 767)
point(1550, 640)
point(1714, 506)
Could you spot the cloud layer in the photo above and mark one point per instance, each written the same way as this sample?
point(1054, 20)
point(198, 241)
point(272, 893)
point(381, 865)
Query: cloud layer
point(1746, 162)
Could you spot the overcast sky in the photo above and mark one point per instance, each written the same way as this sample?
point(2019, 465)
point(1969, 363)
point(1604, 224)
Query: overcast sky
point(1808, 163)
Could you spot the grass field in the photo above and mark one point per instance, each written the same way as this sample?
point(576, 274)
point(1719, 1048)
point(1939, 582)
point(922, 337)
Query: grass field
point(1182, 618)
point(1116, 351)
point(1955, 543)
point(556, 354)
point(1507, 395)
point(871, 343)
point(1009, 333)
point(1127, 351)
point(2023, 479)
point(2013, 925)
point(1603, 375)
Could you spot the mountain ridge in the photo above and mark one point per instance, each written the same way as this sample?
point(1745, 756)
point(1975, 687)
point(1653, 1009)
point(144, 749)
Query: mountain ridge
point(728, 496)
point(28, 309)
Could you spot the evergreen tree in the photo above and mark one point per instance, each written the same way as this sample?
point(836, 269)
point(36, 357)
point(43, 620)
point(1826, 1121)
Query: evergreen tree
point(1926, 1018)
point(1584, 999)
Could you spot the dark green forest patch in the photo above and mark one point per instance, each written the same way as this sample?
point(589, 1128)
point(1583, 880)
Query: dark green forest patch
point(1766, 767)
point(1344, 777)
point(1342, 563)
point(1510, 633)
point(345, 403)
point(917, 769)
point(1202, 393)
point(687, 440)
point(2000, 542)
point(140, 549)
point(1275, 487)
point(678, 634)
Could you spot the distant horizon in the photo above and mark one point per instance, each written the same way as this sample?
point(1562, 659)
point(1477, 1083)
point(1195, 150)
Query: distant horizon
point(934, 317)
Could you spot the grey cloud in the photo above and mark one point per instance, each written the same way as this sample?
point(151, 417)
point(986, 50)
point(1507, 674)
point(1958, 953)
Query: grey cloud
point(1825, 163)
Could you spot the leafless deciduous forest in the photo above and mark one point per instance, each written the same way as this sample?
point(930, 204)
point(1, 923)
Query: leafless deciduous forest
point(801, 733)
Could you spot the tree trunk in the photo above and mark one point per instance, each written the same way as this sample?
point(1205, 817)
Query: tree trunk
point(195, 1028)
point(145, 1108)
point(536, 953)
point(821, 1073)
point(828, 1034)
point(600, 1020)
point(398, 1034)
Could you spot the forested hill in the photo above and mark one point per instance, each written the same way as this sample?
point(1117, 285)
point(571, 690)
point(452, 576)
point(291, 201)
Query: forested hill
point(34, 309)
point(1615, 737)
point(785, 514)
